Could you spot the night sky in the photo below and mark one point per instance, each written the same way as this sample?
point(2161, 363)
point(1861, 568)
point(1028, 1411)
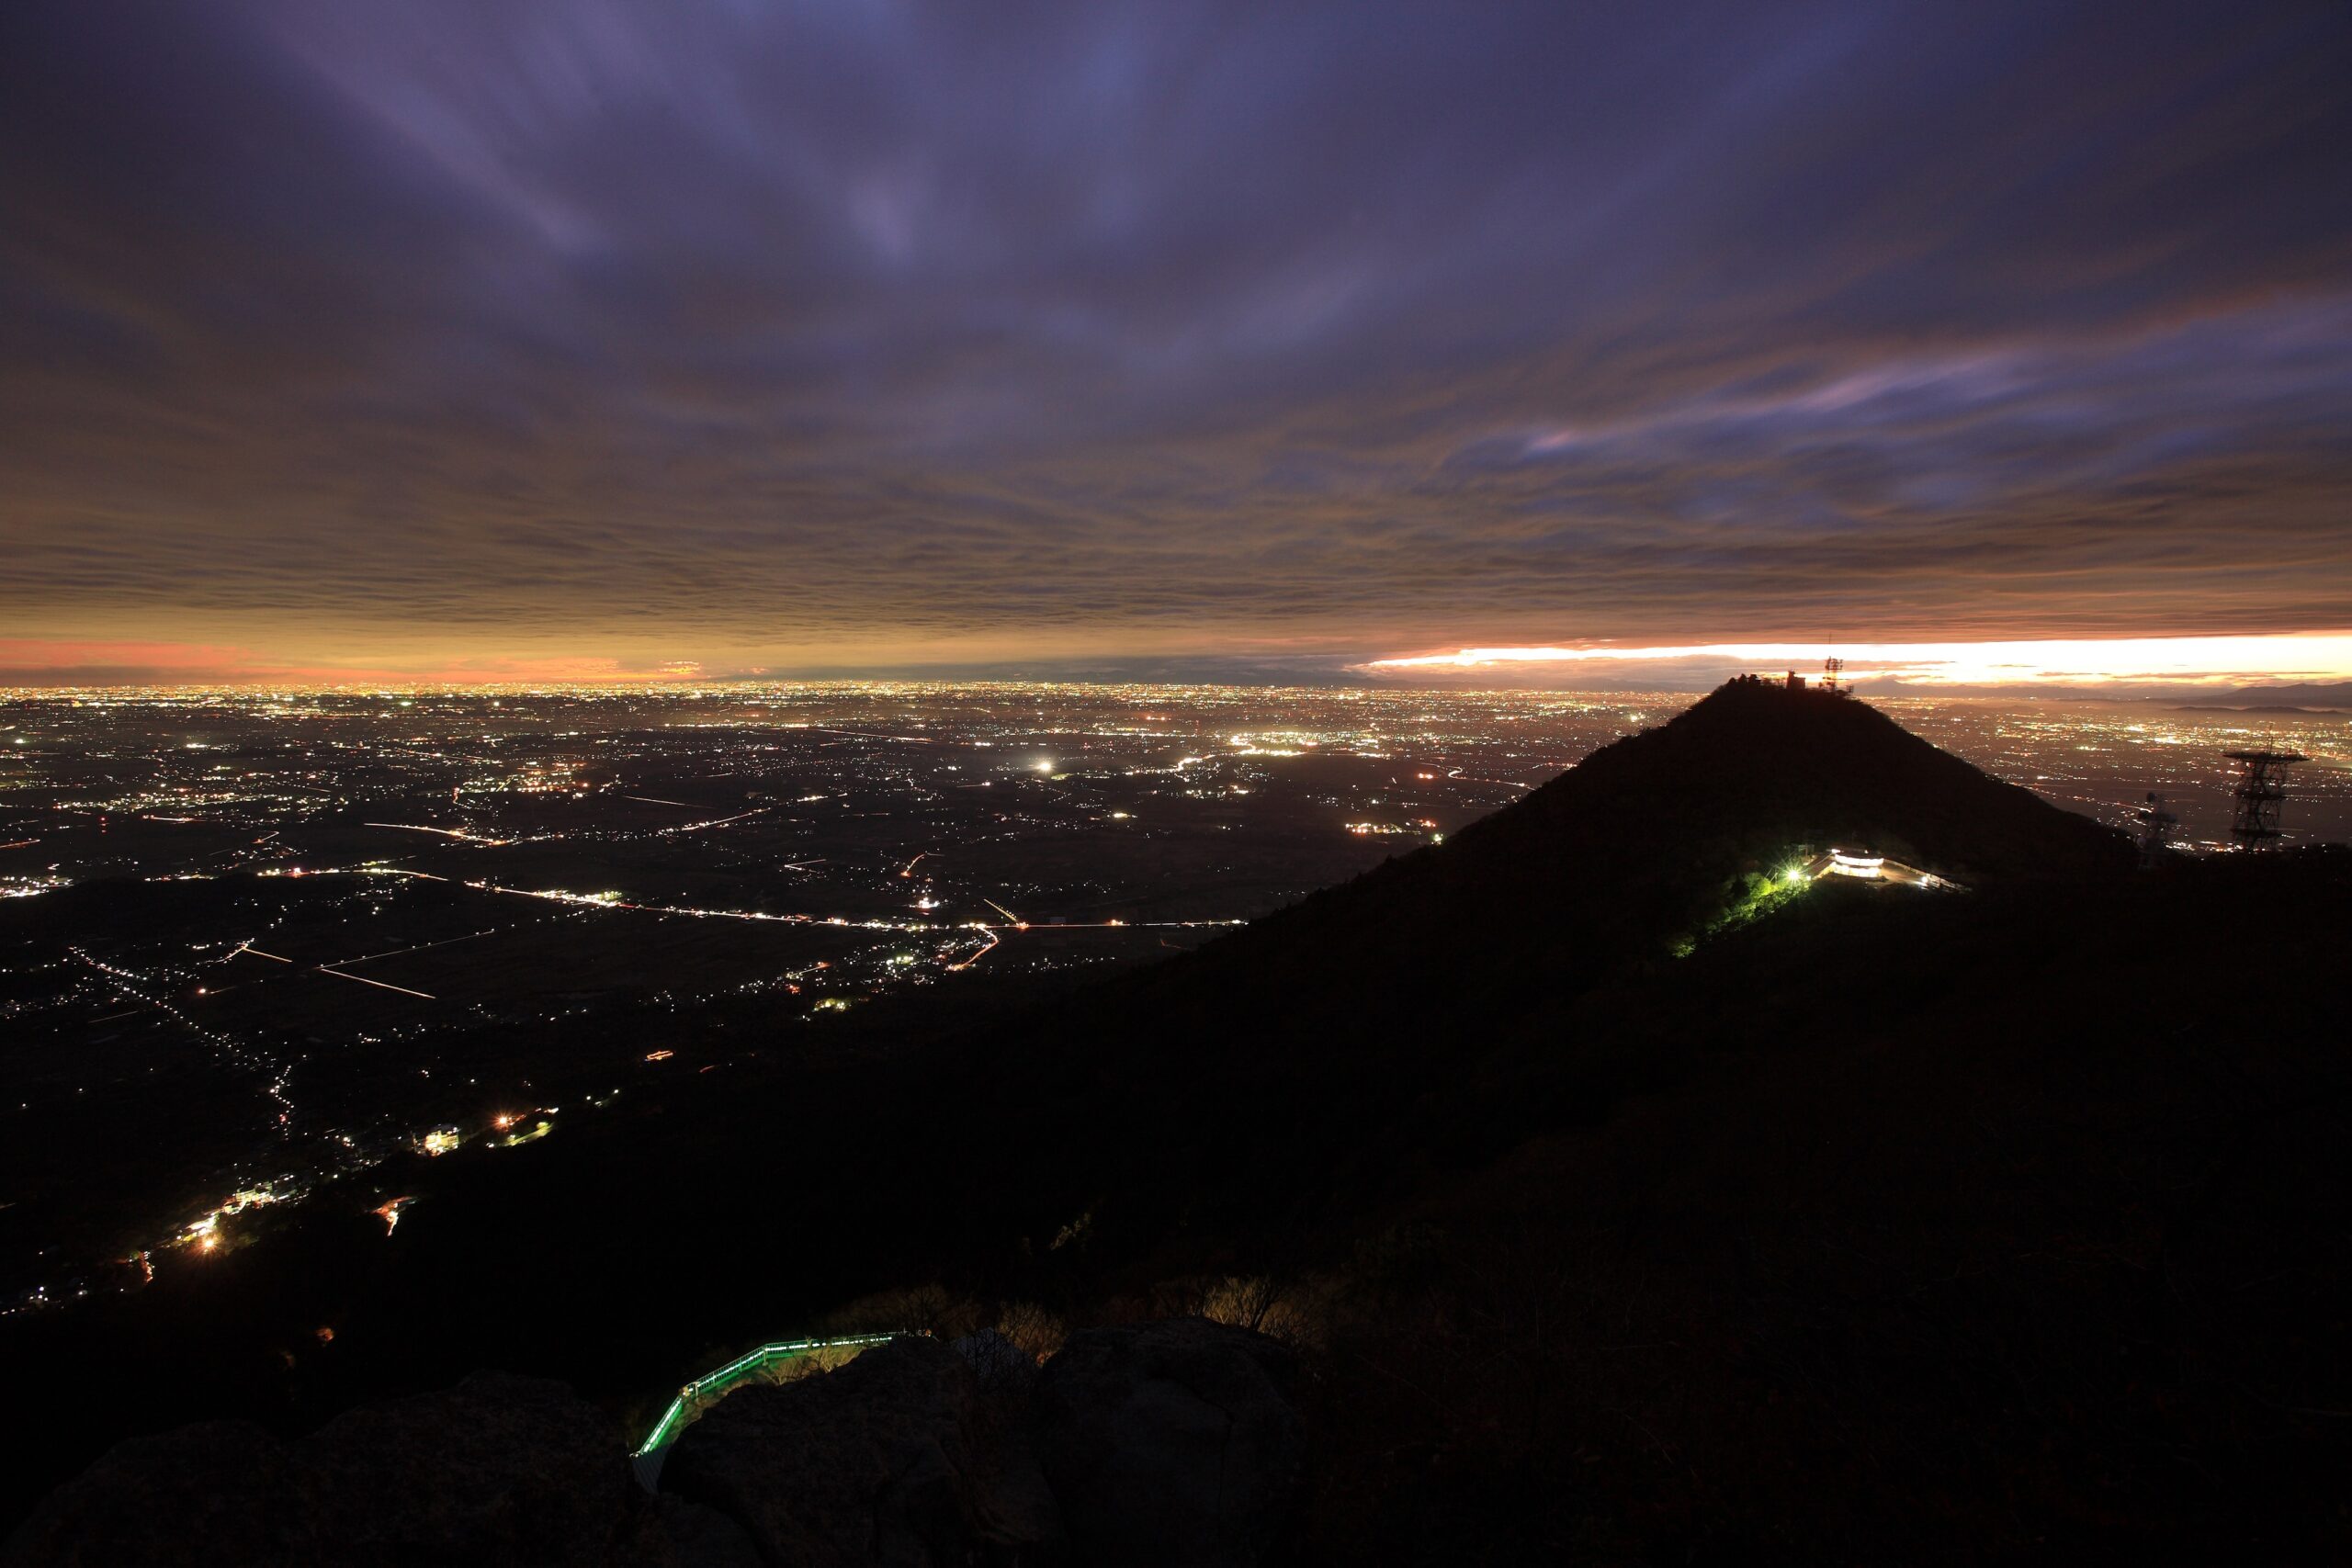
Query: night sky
point(522, 337)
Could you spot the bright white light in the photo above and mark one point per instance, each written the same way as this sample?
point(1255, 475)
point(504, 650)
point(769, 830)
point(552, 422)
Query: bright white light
point(2190, 660)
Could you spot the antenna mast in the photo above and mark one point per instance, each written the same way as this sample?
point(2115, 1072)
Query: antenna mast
point(2156, 825)
point(2261, 790)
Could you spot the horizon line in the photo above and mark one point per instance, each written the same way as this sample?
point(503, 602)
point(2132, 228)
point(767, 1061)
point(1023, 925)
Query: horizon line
point(2018, 665)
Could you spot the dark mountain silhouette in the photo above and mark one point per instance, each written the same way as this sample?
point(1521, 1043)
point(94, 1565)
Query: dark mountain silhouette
point(1315, 1044)
point(1625, 1203)
point(1640, 845)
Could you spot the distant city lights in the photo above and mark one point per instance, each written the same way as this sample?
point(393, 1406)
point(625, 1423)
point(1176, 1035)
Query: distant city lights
point(463, 869)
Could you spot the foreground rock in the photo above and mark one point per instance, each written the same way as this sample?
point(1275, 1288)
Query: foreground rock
point(1171, 1443)
point(499, 1469)
point(1163, 1443)
point(878, 1462)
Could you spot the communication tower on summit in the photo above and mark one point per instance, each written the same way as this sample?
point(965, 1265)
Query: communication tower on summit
point(2156, 825)
point(2261, 790)
point(1833, 675)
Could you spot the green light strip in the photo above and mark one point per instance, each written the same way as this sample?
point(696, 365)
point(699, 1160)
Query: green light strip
point(716, 1384)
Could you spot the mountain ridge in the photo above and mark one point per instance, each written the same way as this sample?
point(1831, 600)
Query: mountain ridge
point(1324, 1029)
point(1976, 1209)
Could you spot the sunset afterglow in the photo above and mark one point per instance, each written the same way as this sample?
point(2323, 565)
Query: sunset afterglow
point(2120, 661)
point(469, 344)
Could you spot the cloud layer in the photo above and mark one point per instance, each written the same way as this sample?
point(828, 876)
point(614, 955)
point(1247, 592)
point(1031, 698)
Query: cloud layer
point(843, 330)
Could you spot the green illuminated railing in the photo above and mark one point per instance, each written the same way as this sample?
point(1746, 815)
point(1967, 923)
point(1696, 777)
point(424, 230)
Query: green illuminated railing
point(712, 1386)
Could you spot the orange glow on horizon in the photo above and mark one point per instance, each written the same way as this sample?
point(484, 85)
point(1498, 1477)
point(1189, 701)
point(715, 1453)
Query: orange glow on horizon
point(34, 664)
point(2178, 660)
point(57, 662)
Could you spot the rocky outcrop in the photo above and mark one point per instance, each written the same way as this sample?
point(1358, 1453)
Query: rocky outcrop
point(1003, 1369)
point(1171, 1443)
point(217, 1493)
point(882, 1461)
point(499, 1469)
point(513, 1467)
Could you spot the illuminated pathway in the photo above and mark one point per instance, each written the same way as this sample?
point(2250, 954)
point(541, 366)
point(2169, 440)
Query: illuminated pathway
point(711, 1387)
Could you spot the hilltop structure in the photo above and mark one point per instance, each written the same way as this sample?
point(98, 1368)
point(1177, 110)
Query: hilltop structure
point(1833, 679)
point(2261, 791)
point(1861, 865)
point(2155, 826)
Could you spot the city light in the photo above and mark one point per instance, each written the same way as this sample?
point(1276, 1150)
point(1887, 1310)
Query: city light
point(452, 871)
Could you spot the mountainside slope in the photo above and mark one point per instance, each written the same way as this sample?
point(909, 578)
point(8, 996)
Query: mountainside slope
point(1887, 1229)
point(1634, 847)
point(1324, 1031)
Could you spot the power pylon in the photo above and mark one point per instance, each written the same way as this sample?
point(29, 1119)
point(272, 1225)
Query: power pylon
point(2261, 790)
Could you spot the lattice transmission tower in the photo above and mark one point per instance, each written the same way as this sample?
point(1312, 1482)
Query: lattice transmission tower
point(2261, 790)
